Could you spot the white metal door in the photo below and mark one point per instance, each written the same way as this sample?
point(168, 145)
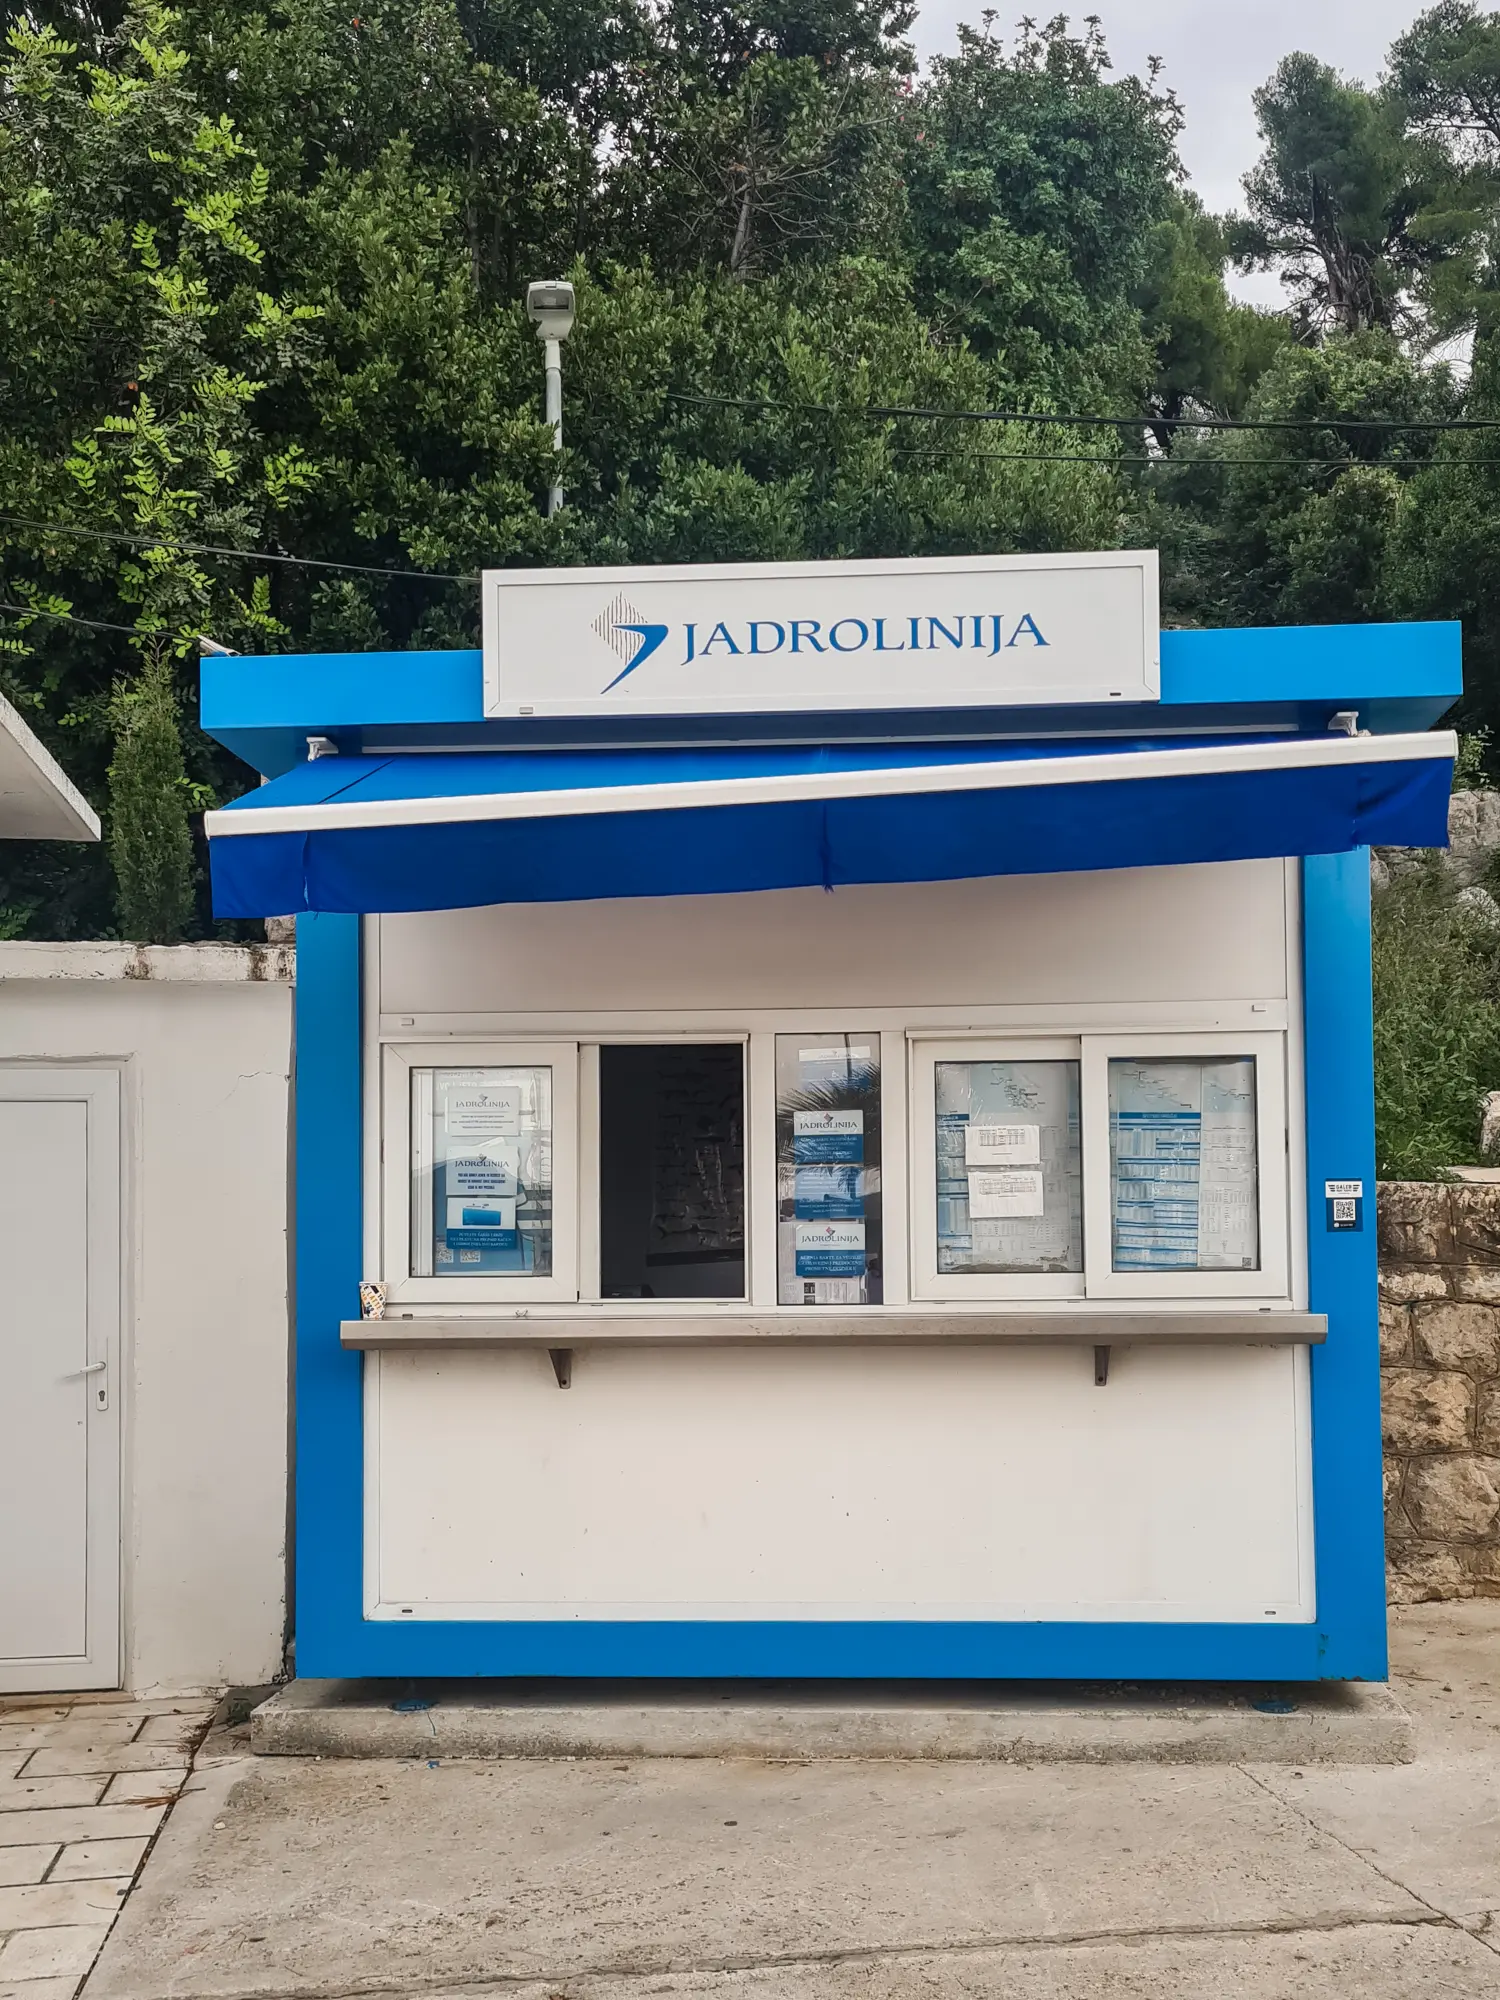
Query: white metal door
point(59, 1406)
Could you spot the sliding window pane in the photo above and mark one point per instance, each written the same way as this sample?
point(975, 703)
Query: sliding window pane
point(672, 1171)
point(828, 1170)
point(482, 1172)
point(1184, 1181)
point(1009, 1167)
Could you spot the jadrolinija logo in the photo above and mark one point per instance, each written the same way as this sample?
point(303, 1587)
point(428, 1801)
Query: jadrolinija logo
point(634, 638)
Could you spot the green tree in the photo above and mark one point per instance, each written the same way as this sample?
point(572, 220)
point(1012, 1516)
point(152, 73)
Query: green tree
point(1337, 199)
point(138, 333)
point(1436, 964)
point(1210, 350)
point(1444, 76)
point(260, 275)
point(150, 842)
point(1303, 525)
point(1035, 186)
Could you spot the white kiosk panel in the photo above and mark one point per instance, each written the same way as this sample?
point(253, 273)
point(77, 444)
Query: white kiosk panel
point(941, 1483)
point(805, 1481)
point(1216, 931)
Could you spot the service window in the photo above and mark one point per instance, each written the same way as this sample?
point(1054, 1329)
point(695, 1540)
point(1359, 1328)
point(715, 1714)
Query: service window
point(828, 1186)
point(671, 1180)
point(997, 1180)
point(482, 1202)
point(1185, 1140)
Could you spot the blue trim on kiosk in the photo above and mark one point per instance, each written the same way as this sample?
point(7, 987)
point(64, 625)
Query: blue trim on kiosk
point(1401, 677)
point(1396, 676)
point(1345, 1642)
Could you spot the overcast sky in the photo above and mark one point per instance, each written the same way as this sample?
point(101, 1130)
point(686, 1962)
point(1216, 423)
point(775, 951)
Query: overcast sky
point(1216, 52)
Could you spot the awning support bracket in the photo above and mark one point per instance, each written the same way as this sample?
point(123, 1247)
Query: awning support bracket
point(562, 1365)
point(1101, 1367)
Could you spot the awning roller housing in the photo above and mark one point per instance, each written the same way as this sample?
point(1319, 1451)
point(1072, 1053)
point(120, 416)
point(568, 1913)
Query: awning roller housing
point(437, 830)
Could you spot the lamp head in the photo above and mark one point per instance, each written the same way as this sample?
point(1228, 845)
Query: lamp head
point(550, 307)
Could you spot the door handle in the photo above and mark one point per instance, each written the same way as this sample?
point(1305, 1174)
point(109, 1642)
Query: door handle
point(101, 1391)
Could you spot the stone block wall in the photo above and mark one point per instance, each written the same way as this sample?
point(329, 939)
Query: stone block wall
point(1440, 1387)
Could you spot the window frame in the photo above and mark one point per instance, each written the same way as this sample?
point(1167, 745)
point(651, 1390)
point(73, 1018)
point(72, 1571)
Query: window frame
point(928, 1283)
point(398, 1061)
point(590, 1145)
point(1272, 1140)
point(908, 1166)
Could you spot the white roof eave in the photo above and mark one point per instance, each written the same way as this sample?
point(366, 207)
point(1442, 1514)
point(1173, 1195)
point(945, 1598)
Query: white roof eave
point(38, 801)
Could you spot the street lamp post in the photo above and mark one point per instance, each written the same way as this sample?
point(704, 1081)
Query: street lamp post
point(550, 308)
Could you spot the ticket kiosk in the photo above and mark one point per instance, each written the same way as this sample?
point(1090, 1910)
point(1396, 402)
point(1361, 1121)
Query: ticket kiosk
point(848, 1088)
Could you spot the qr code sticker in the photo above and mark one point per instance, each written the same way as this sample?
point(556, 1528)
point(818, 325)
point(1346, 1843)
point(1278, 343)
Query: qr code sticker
point(469, 1256)
point(1343, 1208)
point(445, 1256)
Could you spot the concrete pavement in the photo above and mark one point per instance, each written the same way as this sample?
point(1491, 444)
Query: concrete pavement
point(598, 1880)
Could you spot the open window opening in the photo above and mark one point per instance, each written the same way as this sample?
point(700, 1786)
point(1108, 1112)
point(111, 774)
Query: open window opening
point(672, 1171)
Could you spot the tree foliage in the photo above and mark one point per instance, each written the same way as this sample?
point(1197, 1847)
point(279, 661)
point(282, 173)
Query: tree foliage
point(260, 274)
point(150, 844)
point(262, 354)
point(1339, 199)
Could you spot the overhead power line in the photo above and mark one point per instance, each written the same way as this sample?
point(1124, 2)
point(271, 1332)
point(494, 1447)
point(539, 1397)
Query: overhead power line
point(1181, 464)
point(889, 411)
point(220, 549)
point(68, 618)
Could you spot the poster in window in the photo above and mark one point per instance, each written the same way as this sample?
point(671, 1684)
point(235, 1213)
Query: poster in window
point(1184, 1190)
point(482, 1162)
point(1009, 1167)
point(828, 1206)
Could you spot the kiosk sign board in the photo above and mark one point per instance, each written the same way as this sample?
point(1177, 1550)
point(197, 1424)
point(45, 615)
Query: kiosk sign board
point(746, 639)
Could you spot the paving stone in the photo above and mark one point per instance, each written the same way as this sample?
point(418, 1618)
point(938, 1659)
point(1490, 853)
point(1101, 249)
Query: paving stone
point(85, 1860)
point(177, 1730)
point(18, 1735)
point(103, 1759)
point(144, 1706)
point(46, 1905)
point(38, 1989)
point(26, 1794)
point(48, 1953)
point(144, 1788)
point(25, 1864)
point(12, 1762)
point(78, 1823)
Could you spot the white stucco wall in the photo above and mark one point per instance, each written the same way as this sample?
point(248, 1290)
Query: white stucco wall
point(201, 1035)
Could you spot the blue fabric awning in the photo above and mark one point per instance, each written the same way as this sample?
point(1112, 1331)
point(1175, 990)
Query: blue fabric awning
point(428, 831)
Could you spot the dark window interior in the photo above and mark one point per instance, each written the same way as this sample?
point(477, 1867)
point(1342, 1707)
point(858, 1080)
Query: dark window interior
point(672, 1171)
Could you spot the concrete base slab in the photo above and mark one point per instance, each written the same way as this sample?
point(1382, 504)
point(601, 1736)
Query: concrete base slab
point(280, 1876)
point(1391, 1961)
point(1325, 1723)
